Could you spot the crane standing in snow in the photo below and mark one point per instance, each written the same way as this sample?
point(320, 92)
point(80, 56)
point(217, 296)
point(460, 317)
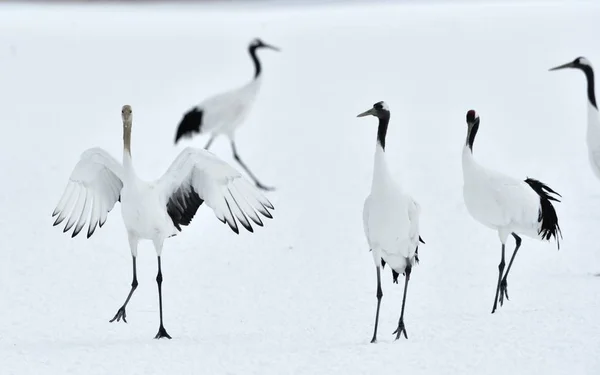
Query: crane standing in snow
point(156, 210)
point(225, 112)
point(593, 119)
point(390, 219)
point(505, 204)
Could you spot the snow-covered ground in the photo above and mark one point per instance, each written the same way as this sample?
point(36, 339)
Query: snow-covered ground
point(298, 296)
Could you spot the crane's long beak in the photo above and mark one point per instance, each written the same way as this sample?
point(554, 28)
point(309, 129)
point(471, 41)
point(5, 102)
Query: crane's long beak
point(366, 113)
point(567, 65)
point(271, 47)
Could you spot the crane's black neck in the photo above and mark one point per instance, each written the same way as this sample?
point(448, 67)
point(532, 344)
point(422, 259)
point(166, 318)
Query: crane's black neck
point(591, 92)
point(257, 66)
point(472, 133)
point(384, 120)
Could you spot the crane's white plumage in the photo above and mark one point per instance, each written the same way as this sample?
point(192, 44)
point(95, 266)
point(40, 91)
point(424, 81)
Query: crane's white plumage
point(390, 219)
point(505, 204)
point(156, 210)
point(221, 187)
point(593, 138)
point(593, 117)
point(93, 189)
point(498, 201)
point(225, 112)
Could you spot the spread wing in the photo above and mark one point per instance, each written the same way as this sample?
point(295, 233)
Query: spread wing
point(197, 176)
point(93, 188)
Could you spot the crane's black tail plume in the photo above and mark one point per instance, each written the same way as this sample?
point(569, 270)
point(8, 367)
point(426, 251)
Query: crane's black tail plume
point(190, 123)
point(547, 214)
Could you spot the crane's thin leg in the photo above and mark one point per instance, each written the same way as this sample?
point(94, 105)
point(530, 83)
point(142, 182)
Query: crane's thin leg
point(162, 332)
point(401, 329)
point(210, 141)
point(239, 160)
point(379, 295)
point(500, 271)
point(121, 314)
point(503, 283)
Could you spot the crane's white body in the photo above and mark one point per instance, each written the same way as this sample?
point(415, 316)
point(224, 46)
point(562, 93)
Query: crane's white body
point(143, 210)
point(593, 138)
point(390, 219)
point(225, 112)
point(498, 201)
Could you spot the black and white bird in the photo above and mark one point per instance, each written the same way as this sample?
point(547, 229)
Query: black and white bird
point(593, 118)
point(225, 112)
point(507, 205)
point(156, 210)
point(390, 220)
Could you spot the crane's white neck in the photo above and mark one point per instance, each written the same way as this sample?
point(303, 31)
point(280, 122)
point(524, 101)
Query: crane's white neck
point(127, 163)
point(593, 127)
point(380, 170)
point(468, 162)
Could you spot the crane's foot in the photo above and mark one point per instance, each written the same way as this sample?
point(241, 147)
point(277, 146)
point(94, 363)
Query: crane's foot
point(264, 187)
point(374, 340)
point(400, 330)
point(120, 315)
point(503, 291)
point(162, 332)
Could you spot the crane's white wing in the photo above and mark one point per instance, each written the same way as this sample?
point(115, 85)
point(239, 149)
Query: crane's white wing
point(366, 213)
point(197, 176)
point(93, 189)
point(414, 211)
point(512, 201)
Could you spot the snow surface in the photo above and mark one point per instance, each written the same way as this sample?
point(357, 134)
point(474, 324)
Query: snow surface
point(298, 296)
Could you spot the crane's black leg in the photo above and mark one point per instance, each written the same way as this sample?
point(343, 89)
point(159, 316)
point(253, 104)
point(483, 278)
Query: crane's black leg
point(162, 332)
point(503, 283)
point(121, 312)
point(401, 329)
point(210, 141)
point(500, 271)
point(379, 295)
point(239, 160)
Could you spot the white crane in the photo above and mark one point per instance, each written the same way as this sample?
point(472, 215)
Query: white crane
point(225, 112)
point(506, 204)
point(155, 210)
point(593, 119)
point(390, 219)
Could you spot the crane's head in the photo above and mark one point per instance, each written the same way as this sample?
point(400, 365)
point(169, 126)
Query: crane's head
point(126, 115)
point(472, 117)
point(580, 63)
point(379, 110)
point(258, 43)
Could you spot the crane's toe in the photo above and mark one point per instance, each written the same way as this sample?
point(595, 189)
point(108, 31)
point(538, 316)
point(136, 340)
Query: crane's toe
point(400, 330)
point(120, 315)
point(162, 333)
